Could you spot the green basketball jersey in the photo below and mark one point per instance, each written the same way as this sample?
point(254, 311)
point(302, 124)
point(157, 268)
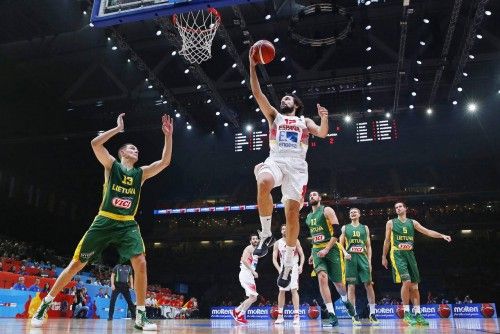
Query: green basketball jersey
point(402, 235)
point(321, 231)
point(356, 238)
point(121, 193)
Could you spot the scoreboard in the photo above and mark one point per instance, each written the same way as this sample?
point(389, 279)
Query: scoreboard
point(364, 132)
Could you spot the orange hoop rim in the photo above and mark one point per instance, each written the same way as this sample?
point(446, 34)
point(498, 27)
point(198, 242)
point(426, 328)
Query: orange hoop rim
point(199, 31)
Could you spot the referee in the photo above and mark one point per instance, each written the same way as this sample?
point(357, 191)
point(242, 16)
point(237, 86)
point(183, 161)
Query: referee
point(121, 281)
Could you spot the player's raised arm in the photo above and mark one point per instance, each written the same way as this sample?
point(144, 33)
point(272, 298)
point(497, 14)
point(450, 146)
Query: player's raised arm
point(166, 156)
point(387, 243)
point(97, 143)
point(430, 233)
point(267, 109)
point(322, 129)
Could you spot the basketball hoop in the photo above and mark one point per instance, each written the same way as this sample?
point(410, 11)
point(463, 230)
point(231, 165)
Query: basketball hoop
point(197, 30)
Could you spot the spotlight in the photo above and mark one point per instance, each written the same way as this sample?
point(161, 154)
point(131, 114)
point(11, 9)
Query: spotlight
point(368, 27)
point(471, 107)
point(146, 79)
point(283, 58)
point(177, 115)
point(369, 84)
point(422, 43)
point(368, 3)
point(415, 79)
point(248, 128)
point(487, 12)
point(114, 48)
point(91, 25)
point(234, 65)
point(150, 86)
point(225, 125)
point(368, 48)
point(426, 20)
point(209, 101)
point(243, 81)
point(387, 115)
point(479, 36)
point(455, 102)
point(413, 94)
point(471, 56)
point(164, 102)
point(263, 120)
point(174, 53)
point(429, 111)
point(412, 106)
point(369, 67)
point(257, 109)
point(250, 97)
point(189, 127)
point(109, 39)
point(158, 32)
point(276, 40)
point(459, 89)
point(295, 91)
point(128, 60)
point(369, 98)
point(224, 46)
point(198, 87)
point(217, 113)
point(368, 110)
point(347, 118)
point(289, 76)
point(84, 12)
point(419, 62)
point(465, 74)
point(268, 16)
point(186, 71)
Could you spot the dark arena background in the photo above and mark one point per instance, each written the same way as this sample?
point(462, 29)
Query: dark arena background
point(413, 93)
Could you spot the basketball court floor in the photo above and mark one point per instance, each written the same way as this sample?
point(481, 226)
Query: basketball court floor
point(203, 326)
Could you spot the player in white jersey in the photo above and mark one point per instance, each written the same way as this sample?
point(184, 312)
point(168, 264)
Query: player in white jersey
point(286, 166)
point(279, 250)
point(248, 274)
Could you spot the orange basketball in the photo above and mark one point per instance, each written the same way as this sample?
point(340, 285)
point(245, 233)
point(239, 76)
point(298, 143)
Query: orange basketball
point(264, 52)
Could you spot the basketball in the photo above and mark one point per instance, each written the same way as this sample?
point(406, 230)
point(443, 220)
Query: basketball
point(444, 311)
point(400, 311)
point(487, 310)
point(274, 312)
point(313, 312)
point(264, 52)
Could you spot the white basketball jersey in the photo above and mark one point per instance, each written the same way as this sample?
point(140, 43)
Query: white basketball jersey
point(282, 250)
point(252, 261)
point(289, 136)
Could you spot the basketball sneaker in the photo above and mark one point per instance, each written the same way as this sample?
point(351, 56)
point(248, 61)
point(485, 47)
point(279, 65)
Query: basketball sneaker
point(409, 319)
point(264, 244)
point(332, 320)
point(374, 320)
point(239, 317)
point(285, 277)
point(421, 320)
point(142, 322)
point(350, 308)
point(356, 321)
point(296, 320)
point(280, 320)
point(40, 314)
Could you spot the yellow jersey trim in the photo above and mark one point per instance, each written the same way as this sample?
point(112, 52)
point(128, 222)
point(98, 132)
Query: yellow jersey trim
point(115, 216)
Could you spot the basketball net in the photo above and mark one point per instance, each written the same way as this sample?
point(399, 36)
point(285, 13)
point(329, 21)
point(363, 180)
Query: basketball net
point(197, 30)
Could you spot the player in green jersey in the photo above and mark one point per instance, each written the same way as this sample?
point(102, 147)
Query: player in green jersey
point(355, 239)
point(115, 224)
point(399, 237)
point(326, 254)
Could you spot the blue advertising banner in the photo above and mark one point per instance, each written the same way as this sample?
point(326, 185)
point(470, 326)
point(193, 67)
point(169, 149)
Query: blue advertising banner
point(266, 312)
point(12, 302)
point(102, 307)
point(484, 310)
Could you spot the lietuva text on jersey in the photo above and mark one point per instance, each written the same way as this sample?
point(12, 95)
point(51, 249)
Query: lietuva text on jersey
point(123, 190)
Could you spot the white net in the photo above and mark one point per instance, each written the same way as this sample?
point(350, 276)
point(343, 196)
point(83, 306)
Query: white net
point(197, 30)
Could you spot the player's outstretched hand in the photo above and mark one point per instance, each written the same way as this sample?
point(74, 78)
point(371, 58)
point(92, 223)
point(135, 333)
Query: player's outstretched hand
point(447, 238)
point(322, 111)
point(119, 122)
point(251, 53)
point(167, 125)
point(384, 263)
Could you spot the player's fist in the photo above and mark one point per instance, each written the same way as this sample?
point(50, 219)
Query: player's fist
point(322, 111)
point(310, 260)
point(348, 256)
point(255, 274)
point(447, 238)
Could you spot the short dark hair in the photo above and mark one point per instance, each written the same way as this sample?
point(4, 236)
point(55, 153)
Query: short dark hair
point(253, 235)
point(122, 148)
point(298, 102)
point(404, 204)
point(315, 191)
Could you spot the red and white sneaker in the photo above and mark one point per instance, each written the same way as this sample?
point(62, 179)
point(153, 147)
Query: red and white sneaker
point(239, 317)
point(296, 320)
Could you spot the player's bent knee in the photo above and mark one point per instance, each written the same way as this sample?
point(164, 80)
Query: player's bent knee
point(75, 266)
point(265, 182)
point(253, 298)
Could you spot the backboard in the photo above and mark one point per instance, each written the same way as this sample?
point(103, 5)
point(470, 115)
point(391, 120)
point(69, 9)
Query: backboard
point(111, 12)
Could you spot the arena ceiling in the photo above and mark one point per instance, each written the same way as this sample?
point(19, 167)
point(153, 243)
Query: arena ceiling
point(51, 58)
